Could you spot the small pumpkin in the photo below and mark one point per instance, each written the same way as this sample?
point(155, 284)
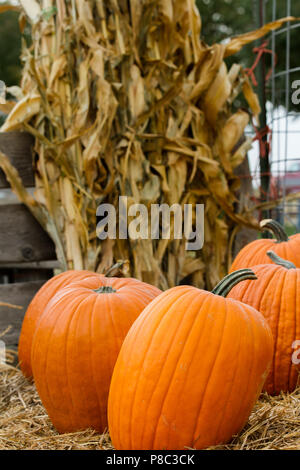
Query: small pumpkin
point(256, 252)
point(189, 371)
point(76, 344)
point(35, 310)
point(276, 295)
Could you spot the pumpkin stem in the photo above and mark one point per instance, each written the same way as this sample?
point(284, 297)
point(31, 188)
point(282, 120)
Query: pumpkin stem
point(114, 268)
point(231, 280)
point(105, 290)
point(281, 262)
point(276, 228)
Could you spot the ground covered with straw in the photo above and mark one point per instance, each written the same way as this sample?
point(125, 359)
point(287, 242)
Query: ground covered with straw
point(24, 424)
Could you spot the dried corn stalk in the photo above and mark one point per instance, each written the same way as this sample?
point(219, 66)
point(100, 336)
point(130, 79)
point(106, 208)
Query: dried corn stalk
point(123, 98)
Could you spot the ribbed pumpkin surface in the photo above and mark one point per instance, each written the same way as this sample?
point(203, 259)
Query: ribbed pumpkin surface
point(189, 372)
point(35, 310)
point(255, 253)
point(76, 344)
point(276, 294)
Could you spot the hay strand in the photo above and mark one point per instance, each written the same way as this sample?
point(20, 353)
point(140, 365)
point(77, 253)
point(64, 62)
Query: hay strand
point(24, 424)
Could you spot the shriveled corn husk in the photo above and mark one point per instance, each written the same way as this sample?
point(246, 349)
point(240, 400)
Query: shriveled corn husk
point(123, 98)
point(24, 424)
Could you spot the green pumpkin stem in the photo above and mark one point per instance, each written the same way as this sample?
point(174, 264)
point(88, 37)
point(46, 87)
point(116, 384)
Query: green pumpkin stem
point(228, 283)
point(275, 228)
point(105, 290)
point(280, 261)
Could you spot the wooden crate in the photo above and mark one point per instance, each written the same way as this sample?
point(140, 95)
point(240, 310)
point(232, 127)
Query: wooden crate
point(27, 254)
point(18, 294)
point(18, 146)
point(22, 239)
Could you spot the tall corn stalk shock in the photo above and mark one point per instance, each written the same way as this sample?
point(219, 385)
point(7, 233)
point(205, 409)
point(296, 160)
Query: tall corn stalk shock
point(123, 98)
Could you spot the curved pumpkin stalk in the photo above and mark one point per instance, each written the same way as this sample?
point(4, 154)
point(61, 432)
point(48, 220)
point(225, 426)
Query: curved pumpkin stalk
point(228, 283)
point(275, 228)
point(280, 261)
point(119, 267)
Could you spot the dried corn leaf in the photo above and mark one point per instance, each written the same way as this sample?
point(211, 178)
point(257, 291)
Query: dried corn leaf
point(252, 99)
point(28, 107)
point(124, 99)
point(32, 10)
point(7, 106)
point(237, 43)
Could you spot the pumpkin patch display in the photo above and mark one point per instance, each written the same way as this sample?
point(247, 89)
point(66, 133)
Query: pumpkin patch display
point(35, 310)
point(76, 345)
point(276, 295)
point(256, 252)
point(189, 371)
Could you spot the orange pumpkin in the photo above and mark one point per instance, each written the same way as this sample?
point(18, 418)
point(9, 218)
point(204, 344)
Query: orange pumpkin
point(35, 310)
point(276, 295)
point(256, 252)
point(76, 345)
point(189, 370)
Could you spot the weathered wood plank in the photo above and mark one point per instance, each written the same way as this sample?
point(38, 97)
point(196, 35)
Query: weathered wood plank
point(18, 147)
point(25, 275)
point(17, 294)
point(21, 237)
point(10, 276)
point(8, 197)
point(39, 265)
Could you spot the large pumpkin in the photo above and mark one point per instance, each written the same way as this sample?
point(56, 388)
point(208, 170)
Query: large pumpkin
point(276, 294)
point(189, 370)
point(76, 345)
point(256, 252)
point(35, 310)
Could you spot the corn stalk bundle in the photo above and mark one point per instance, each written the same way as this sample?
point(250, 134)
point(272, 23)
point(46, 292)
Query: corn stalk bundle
point(124, 99)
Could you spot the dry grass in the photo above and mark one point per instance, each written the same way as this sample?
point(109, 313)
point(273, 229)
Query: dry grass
point(24, 424)
point(273, 425)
